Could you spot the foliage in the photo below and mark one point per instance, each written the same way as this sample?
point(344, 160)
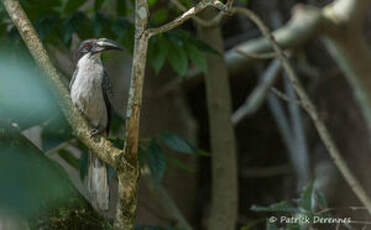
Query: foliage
point(57, 21)
point(24, 98)
point(62, 24)
point(153, 154)
point(309, 205)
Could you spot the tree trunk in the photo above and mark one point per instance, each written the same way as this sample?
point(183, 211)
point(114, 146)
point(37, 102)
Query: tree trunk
point(224, 207)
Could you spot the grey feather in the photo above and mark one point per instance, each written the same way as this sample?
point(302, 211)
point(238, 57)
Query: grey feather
point(73, 77)
point(89, 94)
point(108, 94)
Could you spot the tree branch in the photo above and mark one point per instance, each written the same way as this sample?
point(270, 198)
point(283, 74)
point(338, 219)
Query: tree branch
point(346, 42)
point(311, 110)
point(100, 146)
point(258, 95)
point(304, 25)
point(187, 15)
point(224, 206)
point(128, 174)
point(299, 157)
point(199, 20)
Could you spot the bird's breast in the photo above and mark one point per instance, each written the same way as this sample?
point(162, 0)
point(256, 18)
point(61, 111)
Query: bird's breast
point(87, 95)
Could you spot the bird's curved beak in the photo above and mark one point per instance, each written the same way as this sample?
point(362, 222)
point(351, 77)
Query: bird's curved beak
point(108, 44)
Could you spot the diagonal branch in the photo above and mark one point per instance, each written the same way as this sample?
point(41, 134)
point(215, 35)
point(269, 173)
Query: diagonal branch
point(256, 99)
point(311, 110)
point(100, 146)
point(200, 21)
point(187, 15)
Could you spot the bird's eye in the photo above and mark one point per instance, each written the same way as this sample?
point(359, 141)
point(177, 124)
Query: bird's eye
point(87, 46)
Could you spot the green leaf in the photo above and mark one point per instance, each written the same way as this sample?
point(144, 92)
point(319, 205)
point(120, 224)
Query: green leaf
point(157, 52)
point(68, 157)
point(156, 161)
point(283, 206)
point(177, 58)
point(293, 227)
point(177, 143)
point(123, 7)
point(98, 4)
point(306, 202)
point(187, 3)
point(151, 3)
point(72, 5)
point(204, 46)
point(321, 198)
point(197, 56)
point(159, 16)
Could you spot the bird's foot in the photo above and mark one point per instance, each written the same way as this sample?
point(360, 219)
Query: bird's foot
point(94, 132)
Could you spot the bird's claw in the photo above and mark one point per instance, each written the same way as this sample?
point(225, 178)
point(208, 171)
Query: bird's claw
point(94, 132)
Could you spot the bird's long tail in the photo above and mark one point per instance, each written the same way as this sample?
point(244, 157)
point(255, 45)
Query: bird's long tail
point(98, 186)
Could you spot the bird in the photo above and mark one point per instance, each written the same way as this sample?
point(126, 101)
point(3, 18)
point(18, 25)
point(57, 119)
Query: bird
point(91, 91)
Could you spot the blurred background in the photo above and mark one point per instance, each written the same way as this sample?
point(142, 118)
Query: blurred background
point(280, 158)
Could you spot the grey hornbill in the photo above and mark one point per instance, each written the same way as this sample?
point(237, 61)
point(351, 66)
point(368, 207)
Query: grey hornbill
point(90, 90)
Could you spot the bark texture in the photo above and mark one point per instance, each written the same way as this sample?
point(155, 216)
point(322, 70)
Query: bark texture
point(128, 171)
point(224, 206)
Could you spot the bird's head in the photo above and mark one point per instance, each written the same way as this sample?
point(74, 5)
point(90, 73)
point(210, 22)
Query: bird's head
point(96, 46)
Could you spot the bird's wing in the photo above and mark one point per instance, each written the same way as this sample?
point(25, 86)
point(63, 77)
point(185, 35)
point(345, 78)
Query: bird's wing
point(107, 94)
point(73, 77)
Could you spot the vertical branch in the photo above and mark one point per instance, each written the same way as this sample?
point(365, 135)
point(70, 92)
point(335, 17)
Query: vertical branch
point(300, 156)
point(128, 171)
point(224, 207)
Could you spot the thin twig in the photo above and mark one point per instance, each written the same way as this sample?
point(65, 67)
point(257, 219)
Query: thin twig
point(256, 98)
point(311, 110)
point(256, 55)
point(213, 22)
point(187, 15)
point(284, 97)
point(282, 121)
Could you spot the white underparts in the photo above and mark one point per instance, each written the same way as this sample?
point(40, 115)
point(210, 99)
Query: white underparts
point(86, 91)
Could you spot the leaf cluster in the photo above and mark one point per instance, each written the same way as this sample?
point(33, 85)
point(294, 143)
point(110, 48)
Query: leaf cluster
point(308, 205)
